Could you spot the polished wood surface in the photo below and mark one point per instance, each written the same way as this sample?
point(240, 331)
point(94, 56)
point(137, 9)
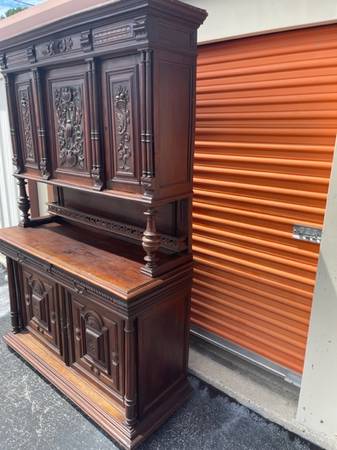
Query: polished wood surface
point(101, 106)
point(110, 263)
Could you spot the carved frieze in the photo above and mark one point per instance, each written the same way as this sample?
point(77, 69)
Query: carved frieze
point(69, 126)
point(57, 46)
point(116, 33)
point(169, 243)
point(122, 112)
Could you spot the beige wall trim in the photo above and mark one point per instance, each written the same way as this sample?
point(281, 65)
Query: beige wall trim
point(233, 19)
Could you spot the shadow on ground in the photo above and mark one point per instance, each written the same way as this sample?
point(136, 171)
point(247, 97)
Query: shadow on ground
point(34, 416)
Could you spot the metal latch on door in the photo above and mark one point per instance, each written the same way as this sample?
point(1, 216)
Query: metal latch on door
point(310, 234)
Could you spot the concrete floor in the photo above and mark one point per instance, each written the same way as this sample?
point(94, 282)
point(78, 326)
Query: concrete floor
point(34, 416)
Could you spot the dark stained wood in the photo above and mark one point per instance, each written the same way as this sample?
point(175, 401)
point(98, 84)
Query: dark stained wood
point(101, 107)
point(14, 296)
point(33, 198)
point(23, 203)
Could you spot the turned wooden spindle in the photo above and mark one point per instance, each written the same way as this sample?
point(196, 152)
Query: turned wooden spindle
point(23, 203)
point(150, 240)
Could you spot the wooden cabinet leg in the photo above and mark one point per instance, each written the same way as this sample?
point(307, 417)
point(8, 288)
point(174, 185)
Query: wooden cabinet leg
point(150, 241)
point(23, 203)
point(130, 397)
point(14, 296)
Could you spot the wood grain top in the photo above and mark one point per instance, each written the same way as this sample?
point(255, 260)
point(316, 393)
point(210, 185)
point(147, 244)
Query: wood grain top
point(102, 260)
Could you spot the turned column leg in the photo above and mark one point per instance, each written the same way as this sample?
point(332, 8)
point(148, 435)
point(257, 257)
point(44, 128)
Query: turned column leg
point(130, 397)
point(23, 203)
point(150, 241)
point(14, 296)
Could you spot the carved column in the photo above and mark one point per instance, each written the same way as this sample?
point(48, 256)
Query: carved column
point(17, 157)
point(150, 241)
point(13, 282)
point(96, 170)
point(40, 121)
point(147, 122)
point(130, 397)
point(23, 203)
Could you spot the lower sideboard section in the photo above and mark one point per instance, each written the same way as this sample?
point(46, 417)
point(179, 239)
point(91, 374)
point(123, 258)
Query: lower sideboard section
point(125, 366)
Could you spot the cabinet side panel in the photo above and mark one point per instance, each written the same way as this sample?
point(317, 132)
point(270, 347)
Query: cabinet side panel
point(173, 125)
point(162, 353)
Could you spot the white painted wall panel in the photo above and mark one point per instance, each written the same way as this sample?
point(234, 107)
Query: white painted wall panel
point(318, 398)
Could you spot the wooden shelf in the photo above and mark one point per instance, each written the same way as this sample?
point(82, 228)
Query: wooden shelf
point(107, 262)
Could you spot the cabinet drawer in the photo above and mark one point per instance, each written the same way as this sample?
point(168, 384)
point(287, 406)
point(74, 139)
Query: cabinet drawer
point(41, 304)
point(97, 336)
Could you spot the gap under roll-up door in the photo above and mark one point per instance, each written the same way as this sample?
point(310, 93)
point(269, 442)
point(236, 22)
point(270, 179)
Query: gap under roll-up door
point(265, 133)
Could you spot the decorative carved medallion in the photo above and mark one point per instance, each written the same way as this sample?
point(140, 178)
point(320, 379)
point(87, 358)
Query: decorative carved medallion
point(68, 104)
point(121, 98)
point(140, 28)
point(58, 46)
point(31, 54)
point(38, 302)
point(27, 124)
point(94, 339)
point(86, 41)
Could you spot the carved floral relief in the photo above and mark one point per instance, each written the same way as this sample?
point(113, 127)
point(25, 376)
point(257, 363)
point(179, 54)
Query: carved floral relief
point(69, 130)
point(27, 124)
point(121, 100)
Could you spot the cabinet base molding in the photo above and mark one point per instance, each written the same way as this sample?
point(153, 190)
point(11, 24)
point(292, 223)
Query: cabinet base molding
point(106, 413)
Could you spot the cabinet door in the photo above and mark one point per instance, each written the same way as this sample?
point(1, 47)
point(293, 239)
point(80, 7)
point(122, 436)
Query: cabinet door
point(42, 309)
point(120, 83)
point(98, 343)
point(68, 107)
point(25, 107)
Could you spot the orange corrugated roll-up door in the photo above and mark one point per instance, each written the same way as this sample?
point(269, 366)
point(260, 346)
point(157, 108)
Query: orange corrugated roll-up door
point(266, 122)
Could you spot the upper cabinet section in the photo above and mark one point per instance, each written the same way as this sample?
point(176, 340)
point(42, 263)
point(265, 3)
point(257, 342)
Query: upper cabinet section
point(103, 99)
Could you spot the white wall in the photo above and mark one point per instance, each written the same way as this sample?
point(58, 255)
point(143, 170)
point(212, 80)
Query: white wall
point(317, 407)
point(233, 18)
point(8, 191)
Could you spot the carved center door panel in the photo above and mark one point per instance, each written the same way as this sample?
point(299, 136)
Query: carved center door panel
point(98, 344)
point(26, 118)
point(121, 123)
point(41, 304)
point(68, 107)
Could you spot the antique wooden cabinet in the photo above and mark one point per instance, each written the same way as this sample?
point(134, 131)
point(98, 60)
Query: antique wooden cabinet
point(101, 106)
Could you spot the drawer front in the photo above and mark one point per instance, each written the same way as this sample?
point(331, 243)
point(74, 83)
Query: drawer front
point(41, 303)
point(97, 343)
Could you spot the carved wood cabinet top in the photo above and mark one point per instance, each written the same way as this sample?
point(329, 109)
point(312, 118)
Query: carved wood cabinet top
point(77, 26)
point(103, 99)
